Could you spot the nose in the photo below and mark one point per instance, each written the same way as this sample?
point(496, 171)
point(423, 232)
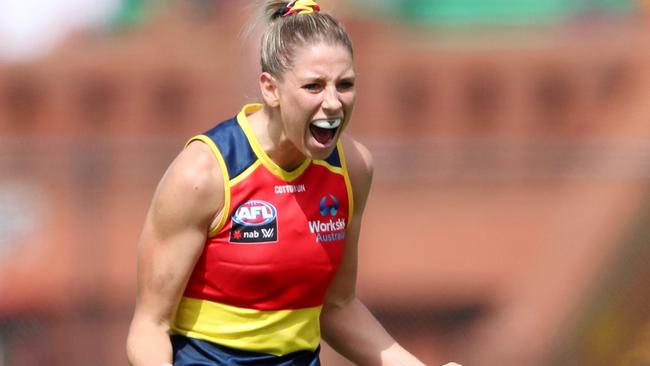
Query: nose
point(331, 101)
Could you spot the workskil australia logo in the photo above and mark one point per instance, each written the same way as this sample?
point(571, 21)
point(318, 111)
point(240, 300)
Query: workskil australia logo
point(330, 227)
point(254, 221)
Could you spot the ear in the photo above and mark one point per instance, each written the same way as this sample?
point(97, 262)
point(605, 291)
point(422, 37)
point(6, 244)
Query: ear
point(269, 89)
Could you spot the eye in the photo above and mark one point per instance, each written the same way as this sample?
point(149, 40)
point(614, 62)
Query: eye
point(312, 87)
point(345, 85)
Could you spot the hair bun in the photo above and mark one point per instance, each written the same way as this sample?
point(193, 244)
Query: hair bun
point(273, 9)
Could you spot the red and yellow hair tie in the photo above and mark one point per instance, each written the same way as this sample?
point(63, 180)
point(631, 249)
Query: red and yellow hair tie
point(301, 7)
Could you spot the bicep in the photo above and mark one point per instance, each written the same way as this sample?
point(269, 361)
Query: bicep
point(359, 166)
point(165, 263)
point(175, 232)
point(343, 287)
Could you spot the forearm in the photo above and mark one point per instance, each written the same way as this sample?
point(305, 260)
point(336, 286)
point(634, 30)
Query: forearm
point(148, 344)
point(355, 333)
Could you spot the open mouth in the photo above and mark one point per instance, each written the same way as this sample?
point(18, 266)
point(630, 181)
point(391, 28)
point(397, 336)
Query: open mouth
point(324, 130)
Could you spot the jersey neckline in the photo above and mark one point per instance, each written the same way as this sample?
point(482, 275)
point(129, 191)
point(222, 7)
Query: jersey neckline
point(274, 168)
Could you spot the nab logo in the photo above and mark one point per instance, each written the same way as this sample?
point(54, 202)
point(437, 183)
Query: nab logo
point(254, 221)
point(329, 205)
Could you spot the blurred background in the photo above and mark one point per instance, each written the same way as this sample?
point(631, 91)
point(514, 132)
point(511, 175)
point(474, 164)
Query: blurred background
point(509, 220)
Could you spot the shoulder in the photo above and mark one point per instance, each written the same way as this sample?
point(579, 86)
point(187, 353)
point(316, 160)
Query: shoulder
point(196, 168)
point(358, 159)
point(192, 187)
point(359, 164)
point(357, 155)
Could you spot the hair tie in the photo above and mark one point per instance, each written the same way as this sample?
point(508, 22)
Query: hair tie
point(301, 7)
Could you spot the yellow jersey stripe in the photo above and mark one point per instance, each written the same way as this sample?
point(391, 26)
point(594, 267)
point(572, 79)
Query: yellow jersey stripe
point(325, 164)
point(277, 332)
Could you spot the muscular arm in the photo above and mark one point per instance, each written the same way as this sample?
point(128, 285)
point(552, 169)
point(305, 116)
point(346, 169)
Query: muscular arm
point(346, 323)
point(175, 229)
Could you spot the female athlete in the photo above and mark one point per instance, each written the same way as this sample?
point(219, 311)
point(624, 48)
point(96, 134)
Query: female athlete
point(248, 255)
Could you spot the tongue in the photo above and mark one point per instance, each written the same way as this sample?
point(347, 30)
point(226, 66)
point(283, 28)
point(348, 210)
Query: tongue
point(322, 135)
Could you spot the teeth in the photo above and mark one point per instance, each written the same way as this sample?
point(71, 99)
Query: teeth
point(327, 123)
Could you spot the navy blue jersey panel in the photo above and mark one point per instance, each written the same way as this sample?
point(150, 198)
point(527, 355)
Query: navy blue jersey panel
point(194, 352)
point(233, 144)
point(334, 159)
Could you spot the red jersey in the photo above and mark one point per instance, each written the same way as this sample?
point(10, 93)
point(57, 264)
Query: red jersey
point(260, 282)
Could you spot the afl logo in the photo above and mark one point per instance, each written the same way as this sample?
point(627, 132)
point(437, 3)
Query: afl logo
point(254, 213)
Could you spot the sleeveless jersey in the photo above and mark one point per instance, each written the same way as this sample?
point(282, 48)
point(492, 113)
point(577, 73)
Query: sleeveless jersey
point(260, 282)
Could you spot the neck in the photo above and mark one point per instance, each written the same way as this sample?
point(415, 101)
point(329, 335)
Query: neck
point(267, 127)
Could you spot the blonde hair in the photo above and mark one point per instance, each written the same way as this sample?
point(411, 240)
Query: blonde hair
point(283, 34)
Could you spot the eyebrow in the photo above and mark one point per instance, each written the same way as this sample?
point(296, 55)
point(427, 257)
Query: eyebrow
point(319, 77)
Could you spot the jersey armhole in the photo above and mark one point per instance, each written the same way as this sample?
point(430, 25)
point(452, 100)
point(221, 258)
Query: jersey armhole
point(348, 184)
point(214, 230)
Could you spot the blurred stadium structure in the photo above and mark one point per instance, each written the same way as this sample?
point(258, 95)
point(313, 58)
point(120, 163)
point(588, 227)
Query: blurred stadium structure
point(509, 221)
